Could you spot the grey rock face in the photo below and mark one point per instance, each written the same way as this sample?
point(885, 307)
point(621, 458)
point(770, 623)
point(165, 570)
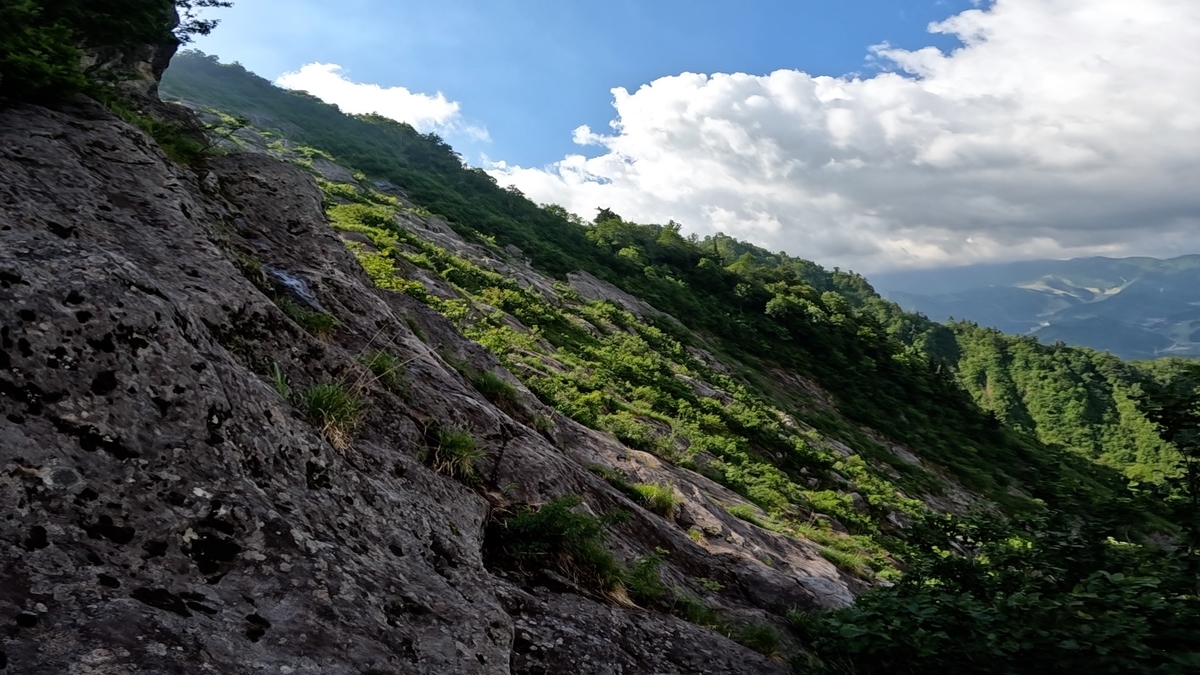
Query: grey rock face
point(165, 509)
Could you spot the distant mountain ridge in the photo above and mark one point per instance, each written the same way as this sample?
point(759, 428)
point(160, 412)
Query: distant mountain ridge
point(1136, 308)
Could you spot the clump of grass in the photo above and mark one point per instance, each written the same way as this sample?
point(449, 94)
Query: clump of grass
point(694, 610)
point(542, 423)
point(335, 409)
point(556, 537)
point(854, 563)
point(761, 638)
point(318, 324)
point(750, 515)
point(457, 454)
point(658, 497)
point(416, 329)
point(502, 394)
point(388, 370)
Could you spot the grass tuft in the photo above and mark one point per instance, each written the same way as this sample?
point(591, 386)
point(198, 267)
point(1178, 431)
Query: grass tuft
point(317, 324)
point(658, 497)
point(502, 394)
point(389, 371)
point(337, 410)
point(457, 454)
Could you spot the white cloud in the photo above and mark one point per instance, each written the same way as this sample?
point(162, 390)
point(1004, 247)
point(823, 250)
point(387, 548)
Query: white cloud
point(426, 113)
point(1059, 128)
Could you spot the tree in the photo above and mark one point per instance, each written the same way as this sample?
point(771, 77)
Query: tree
point(1174, 405)
point(190, 24)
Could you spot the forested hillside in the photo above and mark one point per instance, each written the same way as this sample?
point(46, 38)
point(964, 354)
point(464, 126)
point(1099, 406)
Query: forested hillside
point(1042, 434)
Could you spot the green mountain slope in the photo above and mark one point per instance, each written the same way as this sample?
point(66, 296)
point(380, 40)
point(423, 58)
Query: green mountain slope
point(762, 310)
point(848, 421)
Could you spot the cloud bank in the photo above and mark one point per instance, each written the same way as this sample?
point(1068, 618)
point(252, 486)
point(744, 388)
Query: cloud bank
point(426, 113)
point(1059, 128)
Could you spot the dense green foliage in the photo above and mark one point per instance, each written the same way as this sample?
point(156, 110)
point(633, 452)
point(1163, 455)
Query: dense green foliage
point(1046, 595)
point(41, 46)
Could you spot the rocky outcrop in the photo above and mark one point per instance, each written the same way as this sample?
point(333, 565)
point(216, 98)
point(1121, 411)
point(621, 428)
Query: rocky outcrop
point(168, 510)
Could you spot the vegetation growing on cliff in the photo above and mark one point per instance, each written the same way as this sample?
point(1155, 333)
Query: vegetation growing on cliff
point(41, 46)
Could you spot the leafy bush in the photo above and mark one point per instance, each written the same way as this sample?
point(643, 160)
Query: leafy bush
point(337, 410)
point(644, 582)
point(457, 454)
point(556, 537)
point(1047, 595)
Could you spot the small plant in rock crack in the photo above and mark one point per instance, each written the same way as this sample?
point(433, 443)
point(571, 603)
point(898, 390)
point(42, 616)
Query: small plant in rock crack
point(335, 409)
point(389, 371)
point(279, 380)
point(457, 454)
point(318, 324)
point(658, 497)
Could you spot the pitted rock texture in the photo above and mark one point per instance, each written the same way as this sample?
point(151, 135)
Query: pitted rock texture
point(165, 508)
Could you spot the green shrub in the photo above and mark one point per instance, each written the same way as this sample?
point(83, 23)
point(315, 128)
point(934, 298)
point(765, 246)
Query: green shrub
point(40, 44)
point(388, 370)
point(318, 324)
point(181, 144)
point(335, 409)
point(761, 638)
point(457, 454)
point(555, 537)
point(39, 61)
point(644, 582)
point(658, 497)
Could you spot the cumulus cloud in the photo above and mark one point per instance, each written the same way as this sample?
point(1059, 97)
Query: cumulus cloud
point(1059, 128)
point(426, 113)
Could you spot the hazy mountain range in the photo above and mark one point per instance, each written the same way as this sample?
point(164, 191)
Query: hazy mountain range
point(1136, 308)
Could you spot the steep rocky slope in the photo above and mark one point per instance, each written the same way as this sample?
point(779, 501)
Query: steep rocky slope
point(168, 510)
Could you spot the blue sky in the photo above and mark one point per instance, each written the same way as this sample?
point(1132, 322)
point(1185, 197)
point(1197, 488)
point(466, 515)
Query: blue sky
point(864, 134)
point(531, 71)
